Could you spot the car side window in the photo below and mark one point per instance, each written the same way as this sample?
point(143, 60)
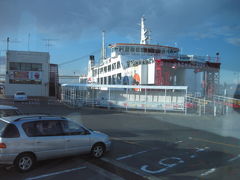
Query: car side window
point(71, 128)
point(11, 131)
point(32, 129)
point(43, 128)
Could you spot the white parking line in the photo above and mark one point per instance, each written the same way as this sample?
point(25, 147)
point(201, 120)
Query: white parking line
point(235, 158)
point(201, 149)
point(55, 173)
point(131, 155)
point(208, 172)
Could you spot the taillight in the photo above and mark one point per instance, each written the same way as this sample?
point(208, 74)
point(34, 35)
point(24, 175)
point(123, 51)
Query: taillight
point(3, 145)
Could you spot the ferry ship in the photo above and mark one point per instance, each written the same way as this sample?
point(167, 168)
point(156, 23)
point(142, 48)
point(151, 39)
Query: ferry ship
point(148, 64)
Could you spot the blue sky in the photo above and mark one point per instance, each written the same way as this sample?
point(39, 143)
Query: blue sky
point(201, 27)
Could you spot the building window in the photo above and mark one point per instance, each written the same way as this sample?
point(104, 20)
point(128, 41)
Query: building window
point(25, 66)
point(14, 66)
point(36, 67)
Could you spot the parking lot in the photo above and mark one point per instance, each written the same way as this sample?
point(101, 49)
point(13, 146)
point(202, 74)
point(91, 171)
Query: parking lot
point(149, 145)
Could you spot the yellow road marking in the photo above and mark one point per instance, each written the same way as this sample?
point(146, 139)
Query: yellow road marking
point(214, 142)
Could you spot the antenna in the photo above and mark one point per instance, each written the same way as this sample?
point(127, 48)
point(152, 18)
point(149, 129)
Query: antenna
point(103, 46)
point(28, 40)
point(48, 42)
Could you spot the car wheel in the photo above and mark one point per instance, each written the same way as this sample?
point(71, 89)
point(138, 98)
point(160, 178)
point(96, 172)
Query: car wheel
point(98, 150)
point(24, 162)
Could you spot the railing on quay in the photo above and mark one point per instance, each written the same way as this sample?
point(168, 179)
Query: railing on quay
point(164, 98)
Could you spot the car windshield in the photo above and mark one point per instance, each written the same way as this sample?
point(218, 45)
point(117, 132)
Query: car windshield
point(9, 112)
point(158, 81)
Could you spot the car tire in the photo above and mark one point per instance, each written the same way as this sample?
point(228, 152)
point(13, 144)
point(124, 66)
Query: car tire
point(98, 150)
point(24, 162)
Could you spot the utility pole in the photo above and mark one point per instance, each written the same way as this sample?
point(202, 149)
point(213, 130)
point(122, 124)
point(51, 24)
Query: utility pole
point(8, 41)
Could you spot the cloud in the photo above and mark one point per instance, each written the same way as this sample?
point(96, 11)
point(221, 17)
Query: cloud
point(72, 19)
point(234, 41)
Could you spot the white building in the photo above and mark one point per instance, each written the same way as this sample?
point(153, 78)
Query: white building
point(27, 71)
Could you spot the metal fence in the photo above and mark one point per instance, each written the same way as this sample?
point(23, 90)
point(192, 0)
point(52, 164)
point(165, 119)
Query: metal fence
point(164, 98)
point(160, 98)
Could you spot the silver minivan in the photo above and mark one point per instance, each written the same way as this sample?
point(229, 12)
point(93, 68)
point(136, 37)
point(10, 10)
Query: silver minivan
point(27, 139)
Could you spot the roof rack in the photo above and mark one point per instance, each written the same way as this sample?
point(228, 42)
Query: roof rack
point(38, 116)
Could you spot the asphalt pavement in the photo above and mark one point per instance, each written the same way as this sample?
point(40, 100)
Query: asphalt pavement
point(150, 145)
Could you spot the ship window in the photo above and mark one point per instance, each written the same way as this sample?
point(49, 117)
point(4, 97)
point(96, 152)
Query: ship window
point(105, 80)
point(145, 50)
point(158, 51)
point(142, 49)
point(105, 69)
point(113, 79)
point(113, 66)
point(109, 68)
point(101, 80)
point(109, 79)
point(126, 49)
point(115, 49)
point(151, 50)
point(118, 65)
point(137, 49)
point(119, 77)
point(101, 70)
point(121, 49)
point(132, 49)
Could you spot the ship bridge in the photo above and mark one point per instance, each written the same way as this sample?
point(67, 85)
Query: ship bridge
point(143, 50)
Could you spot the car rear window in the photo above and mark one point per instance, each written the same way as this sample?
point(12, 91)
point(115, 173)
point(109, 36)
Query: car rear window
point(20, 93)
point(2, 126)
point(10, 131)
